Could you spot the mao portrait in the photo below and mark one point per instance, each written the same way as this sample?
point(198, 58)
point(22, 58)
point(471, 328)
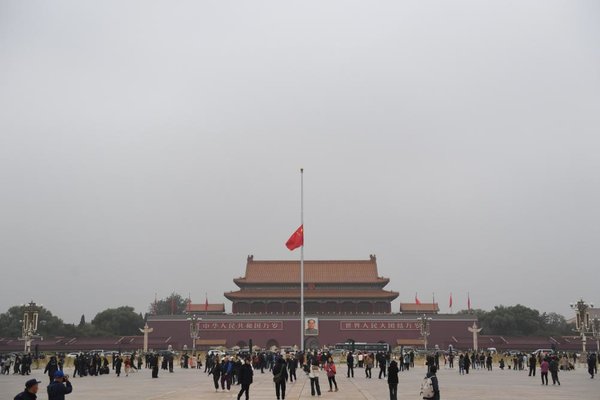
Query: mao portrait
point(311, 326)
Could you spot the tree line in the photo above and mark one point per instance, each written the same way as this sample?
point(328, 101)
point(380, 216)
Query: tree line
point(120, 321)
point(519, 320)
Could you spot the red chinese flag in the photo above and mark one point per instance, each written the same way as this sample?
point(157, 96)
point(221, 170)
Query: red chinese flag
point(296, 240)
point(417, 301)
point(450, 302)
point(469, 302)
point(206, 304)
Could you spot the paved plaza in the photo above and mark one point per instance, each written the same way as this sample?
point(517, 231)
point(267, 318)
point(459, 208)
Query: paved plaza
point(193, 384)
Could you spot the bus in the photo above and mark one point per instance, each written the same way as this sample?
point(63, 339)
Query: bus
point(363, 347)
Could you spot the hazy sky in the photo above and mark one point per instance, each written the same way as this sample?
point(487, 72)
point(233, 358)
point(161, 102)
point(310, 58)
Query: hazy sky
point(151, 146)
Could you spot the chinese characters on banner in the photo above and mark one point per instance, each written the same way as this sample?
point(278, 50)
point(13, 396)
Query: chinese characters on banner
point(379, 325)
point(242, 326)
point(278, 325)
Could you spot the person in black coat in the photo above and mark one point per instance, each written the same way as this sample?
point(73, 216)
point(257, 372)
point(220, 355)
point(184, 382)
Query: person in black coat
point(118, 362)
point(382, 364)
point(532, 365)
point(245, 378)
point(51, 368)
point(434, 383)
point(292, 364)
point(216, 373)
point(280, 376)
point(350, 362)
point(30, 392)
point(392, 378)
point(591, 362)
point(154, 365)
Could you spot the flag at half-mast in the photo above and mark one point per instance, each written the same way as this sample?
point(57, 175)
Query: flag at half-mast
point(297, 239)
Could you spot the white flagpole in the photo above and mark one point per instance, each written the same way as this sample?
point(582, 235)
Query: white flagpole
point(302, 260)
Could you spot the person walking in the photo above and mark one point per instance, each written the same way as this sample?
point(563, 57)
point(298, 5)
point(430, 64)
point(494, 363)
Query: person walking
point(392, 378)
point(544, 367)
point(280, 377)
point(292, 364)
point(245, 378)
point(553, 367)
point(226, 370)
point(30, 392)
point(467, 366)
point(368, 365)
point(313, 375)
point(128, 365)
point(51, 368)
point(118, 363)
point(591, 362)
point(331, 371)
point(154, 360)
point(350, 362)
point(382, 364)
point(430, 389)
point(59, 387)
point(216, 373)
point(532, 365)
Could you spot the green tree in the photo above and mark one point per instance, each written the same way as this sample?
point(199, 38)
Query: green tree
point(49, 324)
point(118, 321)
point(519, 320)
point(170, 305)
point(81, 321)
point(556, 324)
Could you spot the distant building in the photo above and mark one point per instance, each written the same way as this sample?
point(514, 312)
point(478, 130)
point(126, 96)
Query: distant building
point(345, 301)
point(331, 288)
point(422, 308)
point(200, 309)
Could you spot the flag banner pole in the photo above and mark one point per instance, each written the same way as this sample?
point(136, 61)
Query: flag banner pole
point(302, 260)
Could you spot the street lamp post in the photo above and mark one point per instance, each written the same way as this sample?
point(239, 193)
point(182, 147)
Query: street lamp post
point(30, 324)
point(194, 331)
point(582, 322)
point(425, 325)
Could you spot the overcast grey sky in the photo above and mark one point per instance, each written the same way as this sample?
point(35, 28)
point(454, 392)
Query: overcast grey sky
point(151, 146)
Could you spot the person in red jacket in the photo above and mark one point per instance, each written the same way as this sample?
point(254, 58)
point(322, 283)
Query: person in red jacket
point(331, 371)
point(544, 367)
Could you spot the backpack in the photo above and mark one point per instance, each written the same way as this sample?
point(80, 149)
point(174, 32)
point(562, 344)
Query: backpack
point(427, 391)
point(278, 378)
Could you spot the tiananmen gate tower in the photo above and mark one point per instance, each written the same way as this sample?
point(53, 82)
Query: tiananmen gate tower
point(345, 300)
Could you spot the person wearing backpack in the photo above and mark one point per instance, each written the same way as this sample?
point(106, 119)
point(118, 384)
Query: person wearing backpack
point(280, 376)
point(430, 389)
point(330, 369)
point(392, 378)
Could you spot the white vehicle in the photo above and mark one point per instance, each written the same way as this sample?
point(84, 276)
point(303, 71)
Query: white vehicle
point(72, 355)
point(216, 352)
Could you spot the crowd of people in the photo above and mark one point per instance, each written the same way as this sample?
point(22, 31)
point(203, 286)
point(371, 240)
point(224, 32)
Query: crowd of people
point(20, 364)
point(237, 370)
